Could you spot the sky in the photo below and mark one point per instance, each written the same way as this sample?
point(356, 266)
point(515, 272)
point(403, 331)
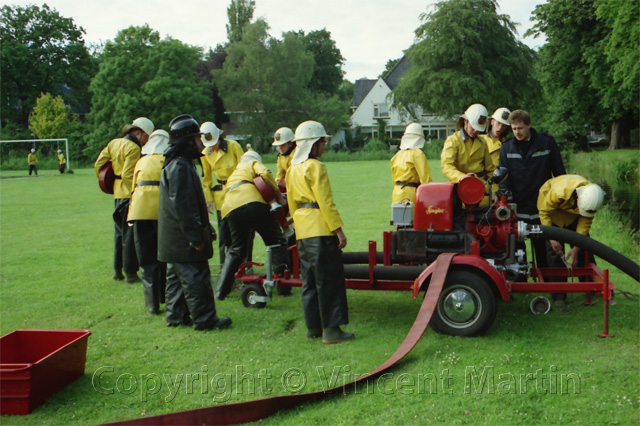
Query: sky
point(367, 32)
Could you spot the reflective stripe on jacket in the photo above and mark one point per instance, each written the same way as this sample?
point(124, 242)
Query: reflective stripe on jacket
point(145, 198)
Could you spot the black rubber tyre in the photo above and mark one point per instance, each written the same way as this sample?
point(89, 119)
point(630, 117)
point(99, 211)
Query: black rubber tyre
point(467, 306)
point(249, 293)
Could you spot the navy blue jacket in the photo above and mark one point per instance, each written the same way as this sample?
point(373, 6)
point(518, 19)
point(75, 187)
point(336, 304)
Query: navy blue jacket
point(530, 164)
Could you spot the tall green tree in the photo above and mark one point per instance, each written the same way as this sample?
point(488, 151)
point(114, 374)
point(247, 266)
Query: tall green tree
point(239, 13)
point(50, 118)
point(589, 67)
point(327, 71)
point(40, 51)
point(466, 53)
point(141, 75)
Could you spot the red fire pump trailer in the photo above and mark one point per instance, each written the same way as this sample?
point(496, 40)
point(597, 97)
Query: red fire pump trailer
point(489, 261)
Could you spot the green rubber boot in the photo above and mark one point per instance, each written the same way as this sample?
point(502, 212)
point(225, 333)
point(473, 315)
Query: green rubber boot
point(335, 335)
point(314, 333)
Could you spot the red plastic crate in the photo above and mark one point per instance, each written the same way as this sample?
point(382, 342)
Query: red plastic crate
point(34, 364)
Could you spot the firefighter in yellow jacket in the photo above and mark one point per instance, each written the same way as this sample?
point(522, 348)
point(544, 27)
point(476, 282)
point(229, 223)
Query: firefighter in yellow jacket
point(62, 162)
point(245, 212)
point(220, 159)
point(409, 167)
point(124, 153)
point(283, 141)
point(319, 235)
point(499, 124)
point(32, 161)
point(143, 214)
point(569, 201)
point(465, 152)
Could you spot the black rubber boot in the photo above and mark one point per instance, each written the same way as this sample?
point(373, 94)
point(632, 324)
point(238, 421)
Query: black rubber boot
point(151, 297)
point(132, 277)
point(230, 267)
point(117, 275)
point(335, 335)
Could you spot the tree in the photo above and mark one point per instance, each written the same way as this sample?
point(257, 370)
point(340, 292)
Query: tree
point(589, 66)
point(50, 118)
point(327, 71)
point(389, 66)
point(265, 83)
point(141, 75)
point(40, 51)
point(240, 13)
point(466, 53)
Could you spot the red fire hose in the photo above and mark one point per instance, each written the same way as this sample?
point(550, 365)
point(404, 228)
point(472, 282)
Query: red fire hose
point(252, 411)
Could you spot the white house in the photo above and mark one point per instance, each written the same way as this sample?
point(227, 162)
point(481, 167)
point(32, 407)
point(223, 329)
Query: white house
point(372, 101)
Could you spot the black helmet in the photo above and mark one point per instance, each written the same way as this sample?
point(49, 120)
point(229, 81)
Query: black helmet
point(182, 128)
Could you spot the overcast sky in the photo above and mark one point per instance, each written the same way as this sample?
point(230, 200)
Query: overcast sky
point(367, 32)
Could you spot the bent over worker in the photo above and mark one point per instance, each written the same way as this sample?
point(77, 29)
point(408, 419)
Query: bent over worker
point(246, 212)
point(320, 237)
point(143, 214)
point(409, 167)
point(220, 159)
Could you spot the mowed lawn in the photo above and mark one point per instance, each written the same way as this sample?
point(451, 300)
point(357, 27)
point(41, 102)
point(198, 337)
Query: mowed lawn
point(56, 247)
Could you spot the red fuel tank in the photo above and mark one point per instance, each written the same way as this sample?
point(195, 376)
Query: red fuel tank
point(434, 207)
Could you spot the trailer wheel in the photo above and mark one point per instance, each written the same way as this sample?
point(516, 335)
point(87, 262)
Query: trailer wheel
point(249, 296)
point(467, 306)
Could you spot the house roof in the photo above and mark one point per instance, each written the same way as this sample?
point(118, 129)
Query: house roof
point(361, 88)
point(393, 77)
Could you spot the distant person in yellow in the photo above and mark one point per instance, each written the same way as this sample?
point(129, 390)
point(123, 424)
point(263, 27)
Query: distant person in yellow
point(283, 141)
point(62, 162)
point(143, 214)
point(499, 124)
point(570, 202)
point(220, 159)
point(245, 212)
point(409, 167)
point(32, 161)
point(320, 237)
point(465, 152)
point(124, 153)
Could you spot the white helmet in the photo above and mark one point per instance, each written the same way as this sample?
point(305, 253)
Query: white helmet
point(413, 137)
point(143, 124)
point(501, 115)
point(33, 150)
point(211, 133)
point(59, 151)
point(477, 115)
point(282, 136)
point(307, 134)
point(310, 130)
point(590, 198)
point(157, 143)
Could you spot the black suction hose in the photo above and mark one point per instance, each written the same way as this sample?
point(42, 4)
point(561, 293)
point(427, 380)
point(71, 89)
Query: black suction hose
point(623, 263)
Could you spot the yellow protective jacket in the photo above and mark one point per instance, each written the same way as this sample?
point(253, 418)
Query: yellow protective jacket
point(31, 159)
point(308, 182)
point(61, 159)
point(237, 194)
point(494, 145)
point(558, 203)
point(460, 158)
point(221, 164)
point(283, 163)
point(124, 153)
point(409, 165)
point(145, 195)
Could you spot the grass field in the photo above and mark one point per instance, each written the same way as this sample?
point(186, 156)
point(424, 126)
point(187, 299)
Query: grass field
point(56, 266)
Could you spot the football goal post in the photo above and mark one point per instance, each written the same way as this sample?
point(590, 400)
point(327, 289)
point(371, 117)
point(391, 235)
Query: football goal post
point(34, 141)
